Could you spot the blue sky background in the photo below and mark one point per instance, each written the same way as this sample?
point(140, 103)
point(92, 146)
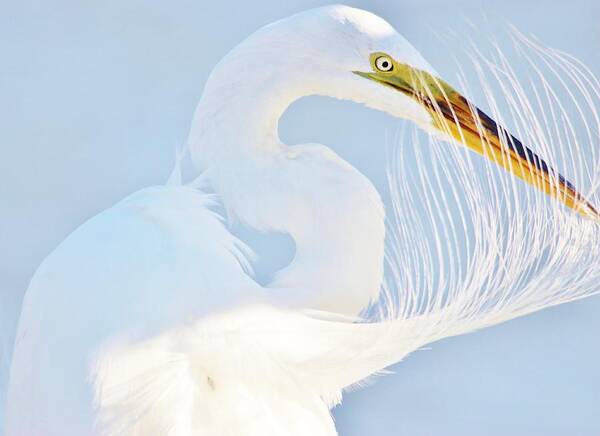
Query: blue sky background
point(97, 94)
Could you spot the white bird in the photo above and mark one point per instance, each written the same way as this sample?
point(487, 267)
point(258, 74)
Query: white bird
point(147, 320)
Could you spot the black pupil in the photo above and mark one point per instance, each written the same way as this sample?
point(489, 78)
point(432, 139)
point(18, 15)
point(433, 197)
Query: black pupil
point(385, 64)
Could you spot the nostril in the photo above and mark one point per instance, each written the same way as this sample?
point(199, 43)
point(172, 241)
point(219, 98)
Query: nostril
point(210, 382)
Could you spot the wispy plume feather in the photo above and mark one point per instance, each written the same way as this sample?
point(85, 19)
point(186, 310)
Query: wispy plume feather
point(484, 247)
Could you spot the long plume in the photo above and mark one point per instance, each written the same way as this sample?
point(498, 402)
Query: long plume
point(484, 247)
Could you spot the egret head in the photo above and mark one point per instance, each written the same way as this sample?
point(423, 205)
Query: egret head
point(355, 55)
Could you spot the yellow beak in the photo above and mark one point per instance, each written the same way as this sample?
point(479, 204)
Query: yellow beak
point(453, 115)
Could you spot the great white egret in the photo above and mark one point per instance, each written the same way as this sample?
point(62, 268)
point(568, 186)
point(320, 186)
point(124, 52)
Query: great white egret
point(147, 320)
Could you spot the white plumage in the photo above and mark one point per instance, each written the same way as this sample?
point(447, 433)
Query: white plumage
point(147, 320)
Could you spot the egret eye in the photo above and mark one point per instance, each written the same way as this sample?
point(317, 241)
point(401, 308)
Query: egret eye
point(384, 63)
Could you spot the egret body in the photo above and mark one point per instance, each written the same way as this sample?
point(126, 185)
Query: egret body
point(147, 319)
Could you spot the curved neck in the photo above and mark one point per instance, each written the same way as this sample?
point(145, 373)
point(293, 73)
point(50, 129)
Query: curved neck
point(238, 114)
point(332, 212)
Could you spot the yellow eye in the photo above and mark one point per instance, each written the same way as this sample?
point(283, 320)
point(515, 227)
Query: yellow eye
point(384, 63)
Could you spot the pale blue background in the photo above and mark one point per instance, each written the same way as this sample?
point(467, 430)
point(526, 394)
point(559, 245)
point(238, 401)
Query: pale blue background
point(95, 95)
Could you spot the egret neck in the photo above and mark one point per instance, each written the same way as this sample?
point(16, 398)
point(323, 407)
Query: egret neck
point(331, 211)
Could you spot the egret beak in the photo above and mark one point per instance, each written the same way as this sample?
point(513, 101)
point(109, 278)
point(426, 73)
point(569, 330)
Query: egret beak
point(453, 115)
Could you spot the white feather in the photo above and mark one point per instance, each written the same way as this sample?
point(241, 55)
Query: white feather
point(146, 320)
